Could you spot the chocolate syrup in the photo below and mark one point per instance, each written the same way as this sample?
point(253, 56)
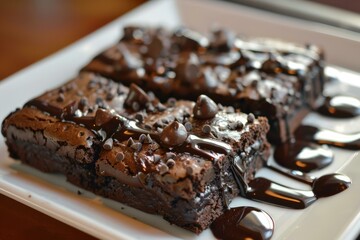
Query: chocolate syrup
point(265, 190)
point(130, 128)
point(330, 184)
point(340, 107)
point(324, 186)
point(303, 156)
point(243, 223)
point(323, 136)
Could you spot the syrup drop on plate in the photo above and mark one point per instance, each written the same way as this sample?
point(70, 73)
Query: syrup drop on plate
point(340, 107)
point(243, 223)
point(303, 156)
point(324, 136)
point(330, 184)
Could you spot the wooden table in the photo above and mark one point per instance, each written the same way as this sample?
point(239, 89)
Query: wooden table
point(29, 31)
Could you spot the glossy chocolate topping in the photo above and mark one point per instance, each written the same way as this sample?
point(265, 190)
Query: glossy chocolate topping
point(329, 137)
point(243, 223)
point(340, 107)
point(303, 156)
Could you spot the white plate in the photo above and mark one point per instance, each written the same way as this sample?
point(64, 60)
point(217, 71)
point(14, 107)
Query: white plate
point(336, 217)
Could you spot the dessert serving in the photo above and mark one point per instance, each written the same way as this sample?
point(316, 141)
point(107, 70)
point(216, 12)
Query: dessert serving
point(173, 159)
point(271, 78)
point(176, 124)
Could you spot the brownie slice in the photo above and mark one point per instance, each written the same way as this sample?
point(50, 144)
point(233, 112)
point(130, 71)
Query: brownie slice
point(271, 78)
point(44, 134)
point(174, 159)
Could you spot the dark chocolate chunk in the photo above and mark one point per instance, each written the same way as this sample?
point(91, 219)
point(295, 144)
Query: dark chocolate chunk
point(136, 96)
point(205, 108)
point(102, 116)
point(173, 134)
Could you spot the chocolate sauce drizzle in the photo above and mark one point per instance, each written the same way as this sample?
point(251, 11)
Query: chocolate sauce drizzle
point(238, 222)
point(324, 136)
point(340, 107)
point(303, 156)
point(243, 223)
point(122, 128)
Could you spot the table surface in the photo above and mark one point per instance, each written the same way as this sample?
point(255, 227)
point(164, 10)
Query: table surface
point(29, 31)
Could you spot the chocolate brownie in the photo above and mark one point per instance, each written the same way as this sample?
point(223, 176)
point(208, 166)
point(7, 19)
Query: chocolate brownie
point(271, 78)
point(173, 158)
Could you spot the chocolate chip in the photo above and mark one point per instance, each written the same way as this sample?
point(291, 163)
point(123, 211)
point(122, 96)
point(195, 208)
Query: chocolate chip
point(139, 117)
point(222, 40)
point(110, 96)
point(148, 139)
point(162, 168)
point(160, 107)
point(131, 61)
point(206, 129)
point(188, 126)
point(130, 142)
point(147, 126)
point(142, 138)
point(209, 80)
point(239, 125)
point(102, 104)
point(230, 109)
point(83, 103)
point(136, 146)
point(120, 156)
point(271, 65)
point(250, 118)
point(188, 68)
point(205, 108)
point(171, 102)
point(232, 91)
point(150, 107)
point(131, 33)
point(135, 106)
point(157, 158)
point(170, 163)
point(189, 170)
point(169, 155)
point(62, 89)
point(108, 145)
point(189, 40)
point(159, 123)
point(60, 98)
point(173, 134)
point(136, 96)
point(156, 47)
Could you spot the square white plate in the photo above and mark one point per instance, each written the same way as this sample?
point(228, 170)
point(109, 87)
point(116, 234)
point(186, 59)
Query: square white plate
point(336, 217)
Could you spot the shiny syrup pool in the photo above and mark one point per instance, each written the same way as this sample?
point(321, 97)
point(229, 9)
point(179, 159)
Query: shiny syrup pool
point(243, 223)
